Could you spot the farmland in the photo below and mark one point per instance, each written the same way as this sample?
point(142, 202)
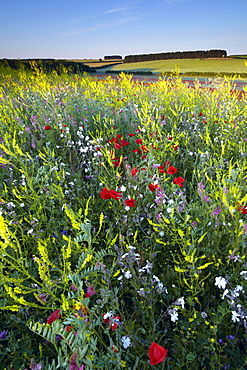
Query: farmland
point(123, 222)
point(232, 66)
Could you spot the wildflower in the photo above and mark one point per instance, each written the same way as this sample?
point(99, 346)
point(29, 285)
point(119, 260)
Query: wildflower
point(145, 149)
point(124, 142)
point(220, 282)
point(3, 335)
point(156, 353)
point(138, 141)
point(178, 181)
point(134, 171)
point(129, 202)
point(47, 127)
point(235, 316)
point(107, 194)
point(243, 210)
point(54, 316)
point(216, 211)
point(90, 291)
point(127, 274)
point(204, 315)
point(34, 365)
point(106, 316)
point(114, 322)
point(180, 302)
point(172, 170)
point(126, 341)
point(174, 314)
point(153, 187)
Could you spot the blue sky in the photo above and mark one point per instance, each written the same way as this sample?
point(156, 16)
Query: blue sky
point(79, 29)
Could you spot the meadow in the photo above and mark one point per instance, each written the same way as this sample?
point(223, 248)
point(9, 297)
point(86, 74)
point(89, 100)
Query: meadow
point(221, 66)
point(123, 223)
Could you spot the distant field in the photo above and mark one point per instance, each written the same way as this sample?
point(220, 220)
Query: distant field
point(97, 63)
point(228, 65)
point(243, 56)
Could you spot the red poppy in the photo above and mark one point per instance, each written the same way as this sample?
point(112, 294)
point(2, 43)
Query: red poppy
point(131, 135)
point(116, 163)
point(119, 136)
point(153, 187)
point(138, 141)
point(54, 316)
point(134, 171)
point(117, 146)
point(129, 202)
point(114, 140)
point(47, 127)
point(200, 114)
point(124, 142)
point(156, 353)
point(243, 210)
point(135, 151)
point(144, 148)
point(167, 163)
point(172, 170)
point(115, 324)
point(175, 147)
point(178, 181)
point(68, 328)
point(109, 193)
point(161, 169)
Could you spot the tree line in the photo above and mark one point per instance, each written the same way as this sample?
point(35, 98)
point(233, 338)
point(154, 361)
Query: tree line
point(201, 54)
point(45, 65)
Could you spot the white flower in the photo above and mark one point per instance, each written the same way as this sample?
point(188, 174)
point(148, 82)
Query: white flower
point(235, 316)
point(225, 293)
point(169, 210)
point(107, 315)
point(180, 302)
point(127, 274)
point(174, 314)
point(220, 282)
point(123, 188)
point(126, 341)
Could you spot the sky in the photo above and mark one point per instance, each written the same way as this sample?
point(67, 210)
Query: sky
point(92, 29)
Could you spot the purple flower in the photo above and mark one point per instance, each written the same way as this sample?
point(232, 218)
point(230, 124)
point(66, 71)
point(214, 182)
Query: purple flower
point(3, 335)
point(216, 211)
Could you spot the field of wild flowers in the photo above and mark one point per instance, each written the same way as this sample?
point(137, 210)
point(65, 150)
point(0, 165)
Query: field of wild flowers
point(123, 224)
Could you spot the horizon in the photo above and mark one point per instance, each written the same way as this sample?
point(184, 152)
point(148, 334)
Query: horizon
point(58, 30)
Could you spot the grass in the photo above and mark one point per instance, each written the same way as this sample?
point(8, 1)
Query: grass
point(234, 66)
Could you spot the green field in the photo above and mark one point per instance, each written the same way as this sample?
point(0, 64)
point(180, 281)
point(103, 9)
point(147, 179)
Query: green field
point(234, 66)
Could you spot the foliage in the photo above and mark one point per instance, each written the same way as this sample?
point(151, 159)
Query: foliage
point(123, 223)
